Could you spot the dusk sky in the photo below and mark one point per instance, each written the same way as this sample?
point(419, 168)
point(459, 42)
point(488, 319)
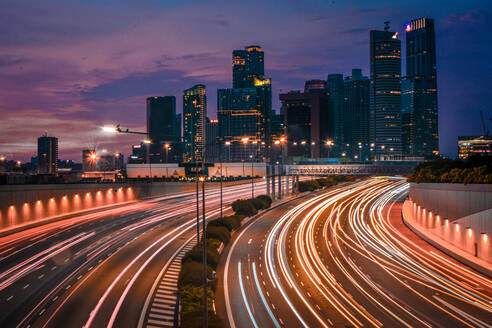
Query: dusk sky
point(69, 67)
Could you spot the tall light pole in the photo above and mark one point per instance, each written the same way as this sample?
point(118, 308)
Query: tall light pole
point(329, 144)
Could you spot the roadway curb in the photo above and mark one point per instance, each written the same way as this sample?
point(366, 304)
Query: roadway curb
point(445, 250)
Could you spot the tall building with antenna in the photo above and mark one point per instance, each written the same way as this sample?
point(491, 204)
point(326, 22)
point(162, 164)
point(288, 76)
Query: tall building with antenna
point(385, 92)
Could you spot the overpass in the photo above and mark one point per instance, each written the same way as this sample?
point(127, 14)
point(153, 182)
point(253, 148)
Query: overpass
point(349, 169)
point(248, 169)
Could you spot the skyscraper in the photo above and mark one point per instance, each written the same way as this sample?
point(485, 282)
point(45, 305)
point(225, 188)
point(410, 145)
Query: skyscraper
point(161, 115)
point(385, 92)
point(308, 121)
point(245, 113)
point(212, 147)
point(421, 76)
point(161, 126)
point(247, 65)
point(194, 116)
point(335, 88)
point(356, 114)
point(47, 155)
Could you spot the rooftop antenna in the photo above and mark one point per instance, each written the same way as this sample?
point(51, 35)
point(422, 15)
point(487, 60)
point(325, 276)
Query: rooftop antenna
point(386, 26)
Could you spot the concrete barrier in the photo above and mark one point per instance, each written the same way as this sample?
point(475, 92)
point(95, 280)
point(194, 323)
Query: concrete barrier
point(24, 204)
point(455, 218)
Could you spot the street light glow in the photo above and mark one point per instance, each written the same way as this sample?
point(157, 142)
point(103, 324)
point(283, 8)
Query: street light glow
point(109, 129)
point(147, 141)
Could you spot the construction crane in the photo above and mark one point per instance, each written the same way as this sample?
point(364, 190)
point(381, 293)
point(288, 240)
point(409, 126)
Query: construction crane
point(484, 127)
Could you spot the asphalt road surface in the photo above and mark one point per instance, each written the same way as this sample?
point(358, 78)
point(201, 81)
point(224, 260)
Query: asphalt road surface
point(343, 258)
point(96, 270)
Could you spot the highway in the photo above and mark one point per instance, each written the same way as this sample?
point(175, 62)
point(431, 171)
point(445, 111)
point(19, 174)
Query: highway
point(343, 258)
point(97, 270)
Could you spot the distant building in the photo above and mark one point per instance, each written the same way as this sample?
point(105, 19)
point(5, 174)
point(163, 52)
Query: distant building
point(356, 116)
point(161, 116)
point(336, 89)
point(164, 128)
point(308, 123)
point(138, 155)
point(478, 145)
point(212, 147)
point(385, 92)
point(277, 125)
point(247, 65)
point(315, 85)
point(420, 119)
point(244, 114)
point(194, 116)
point(47, 155)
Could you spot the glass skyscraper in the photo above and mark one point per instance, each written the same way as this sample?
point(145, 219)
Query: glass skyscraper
point(356, 115)
point(247, 65)
point(194, 121)
point(420, 124)
point(385, 92)
point(47, 155)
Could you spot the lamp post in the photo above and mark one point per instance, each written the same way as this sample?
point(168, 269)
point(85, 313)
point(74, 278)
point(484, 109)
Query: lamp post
point(329, 144)
point(252, 180)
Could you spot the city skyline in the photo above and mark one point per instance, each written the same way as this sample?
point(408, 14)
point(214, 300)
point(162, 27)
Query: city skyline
point(73, 91)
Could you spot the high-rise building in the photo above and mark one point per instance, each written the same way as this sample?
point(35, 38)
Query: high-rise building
point(407, 118)
point(47, 155)
point(247, 65)
point(422, 116)
point(139, 154)
point(385, 92)
point(212, 147)
point(164, 128)
point(161, 115)
point(336, 89)
point(244, 113)
point(308, 122)
point(356, 115)
point(194, 115)
point(315, 85)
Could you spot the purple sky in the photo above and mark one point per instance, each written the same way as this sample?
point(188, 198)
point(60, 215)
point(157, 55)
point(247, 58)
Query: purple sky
point(69, 67)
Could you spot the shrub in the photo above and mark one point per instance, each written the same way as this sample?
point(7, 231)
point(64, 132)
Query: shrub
point(266, 199)
point(244, 207)
point(195, 320)
point(234, 220)
point(220, 233)
point(191, 274)
point(221, 222)
point(192, 300)
point(196, 255)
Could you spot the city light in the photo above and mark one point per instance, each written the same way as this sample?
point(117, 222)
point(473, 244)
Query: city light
point(147, 141)
point(110, 129)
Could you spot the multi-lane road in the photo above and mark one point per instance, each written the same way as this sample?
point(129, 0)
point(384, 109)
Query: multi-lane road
point(98, 269)
point(343, 258)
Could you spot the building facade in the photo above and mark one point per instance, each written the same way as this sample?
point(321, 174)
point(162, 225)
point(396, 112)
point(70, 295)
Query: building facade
point(194, 120)
point(336, 89)
point(308, 123)
point(244, 121)
point(385, 92)
point(247, 65)
point(355, 116)
point(47, 155)
point(474, 145)
point(212, 147)
point(421, 121)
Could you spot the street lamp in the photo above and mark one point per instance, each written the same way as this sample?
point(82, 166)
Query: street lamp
point(166, 147)
point(329, 144)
